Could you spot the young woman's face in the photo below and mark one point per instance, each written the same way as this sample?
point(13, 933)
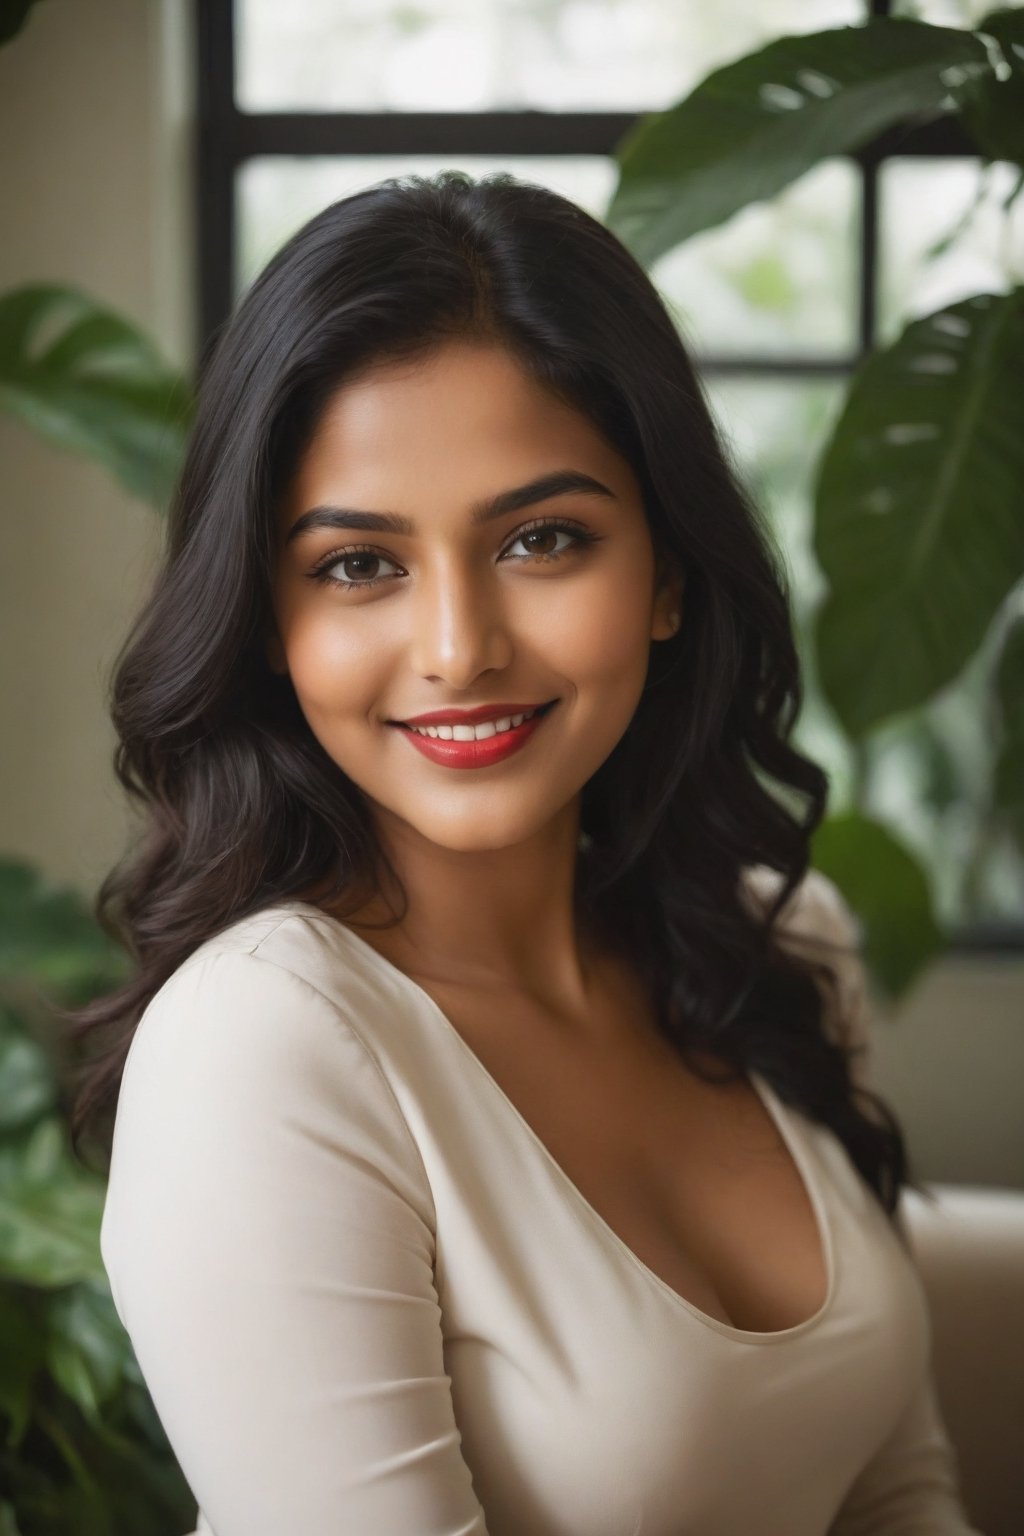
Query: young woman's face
point(375, 626)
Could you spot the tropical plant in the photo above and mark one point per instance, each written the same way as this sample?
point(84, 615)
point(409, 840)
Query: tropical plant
point(82, 1452)
point(917, 522)
point(89, 382)
point(918, 533)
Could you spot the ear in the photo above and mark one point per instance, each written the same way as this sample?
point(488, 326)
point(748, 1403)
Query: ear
point(667, 617)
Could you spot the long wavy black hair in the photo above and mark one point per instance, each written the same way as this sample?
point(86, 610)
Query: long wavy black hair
point(241, 806)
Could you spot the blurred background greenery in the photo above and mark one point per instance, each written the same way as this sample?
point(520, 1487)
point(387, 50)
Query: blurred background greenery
point(768, 300)
point(922, 735)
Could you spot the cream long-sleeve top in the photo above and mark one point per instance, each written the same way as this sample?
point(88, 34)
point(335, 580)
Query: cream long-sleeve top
point(367, 1301)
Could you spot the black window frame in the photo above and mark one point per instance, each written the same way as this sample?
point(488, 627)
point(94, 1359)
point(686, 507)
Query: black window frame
point(227, 137)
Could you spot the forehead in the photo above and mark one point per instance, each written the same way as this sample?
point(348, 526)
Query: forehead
point(463, 419)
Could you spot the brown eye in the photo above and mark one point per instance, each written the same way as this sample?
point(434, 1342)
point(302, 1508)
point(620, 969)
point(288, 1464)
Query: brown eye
point(360, 562)
point(539, 533)
point(364, 573)
point(536, 539)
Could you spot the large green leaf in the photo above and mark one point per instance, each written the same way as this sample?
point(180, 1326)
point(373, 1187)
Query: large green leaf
point(29, 1081)
point(1008, 781)
point(8, 1520)
point(22, 1351)
point(753, 126)
point(50, 1211)
point(918, 524)
point(89, 382)
point(108, 1485)
point(49, 936)
point(87, 1347)
point(888, 890)
point(993, 105)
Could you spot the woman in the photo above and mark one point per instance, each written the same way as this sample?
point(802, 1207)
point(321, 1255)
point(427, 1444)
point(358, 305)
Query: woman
point(487, 1156)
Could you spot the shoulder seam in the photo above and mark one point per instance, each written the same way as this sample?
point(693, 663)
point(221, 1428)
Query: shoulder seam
point(357, 1034)
point(228, 941)
point(269, 934)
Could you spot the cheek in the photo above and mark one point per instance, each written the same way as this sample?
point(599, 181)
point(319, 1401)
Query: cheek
point(332, 665)
point(604, 633)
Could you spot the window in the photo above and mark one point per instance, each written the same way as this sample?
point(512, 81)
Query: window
point(302, 103)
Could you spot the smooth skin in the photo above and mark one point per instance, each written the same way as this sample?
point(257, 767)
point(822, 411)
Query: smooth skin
point(693, 1177)
point(468, 615)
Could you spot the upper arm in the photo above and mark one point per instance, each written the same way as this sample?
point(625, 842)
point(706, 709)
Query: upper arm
point(268, 1236)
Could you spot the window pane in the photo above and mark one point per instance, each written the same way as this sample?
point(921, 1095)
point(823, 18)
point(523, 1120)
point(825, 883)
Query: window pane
point(920, 202)
point(491, 55)
point(776, 278)
point(945, 13)
point(775, 431)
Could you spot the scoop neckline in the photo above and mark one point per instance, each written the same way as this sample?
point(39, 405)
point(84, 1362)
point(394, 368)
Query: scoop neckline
point(762, 1087)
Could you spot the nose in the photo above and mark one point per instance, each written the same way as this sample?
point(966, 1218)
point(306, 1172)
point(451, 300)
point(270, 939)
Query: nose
point(459, 626)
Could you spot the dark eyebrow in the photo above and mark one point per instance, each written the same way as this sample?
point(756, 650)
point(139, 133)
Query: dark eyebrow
point(560, 482)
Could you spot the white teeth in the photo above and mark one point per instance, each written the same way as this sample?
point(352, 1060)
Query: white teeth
point(472, 732)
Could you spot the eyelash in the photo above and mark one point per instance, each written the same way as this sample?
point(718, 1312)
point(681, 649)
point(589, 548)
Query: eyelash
point(582, 536)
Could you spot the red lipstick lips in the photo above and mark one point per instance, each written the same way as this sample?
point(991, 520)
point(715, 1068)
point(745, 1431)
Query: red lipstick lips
point(477, 753)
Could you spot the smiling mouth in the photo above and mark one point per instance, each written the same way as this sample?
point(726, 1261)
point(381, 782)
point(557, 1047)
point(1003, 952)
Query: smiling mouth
point(542, 709)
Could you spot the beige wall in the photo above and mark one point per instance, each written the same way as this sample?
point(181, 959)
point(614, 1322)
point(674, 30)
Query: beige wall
point(93, 184)
point(93, 181)
point(951, 1061)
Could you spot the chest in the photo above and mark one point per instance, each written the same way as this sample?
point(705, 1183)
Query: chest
point(694, 1177)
